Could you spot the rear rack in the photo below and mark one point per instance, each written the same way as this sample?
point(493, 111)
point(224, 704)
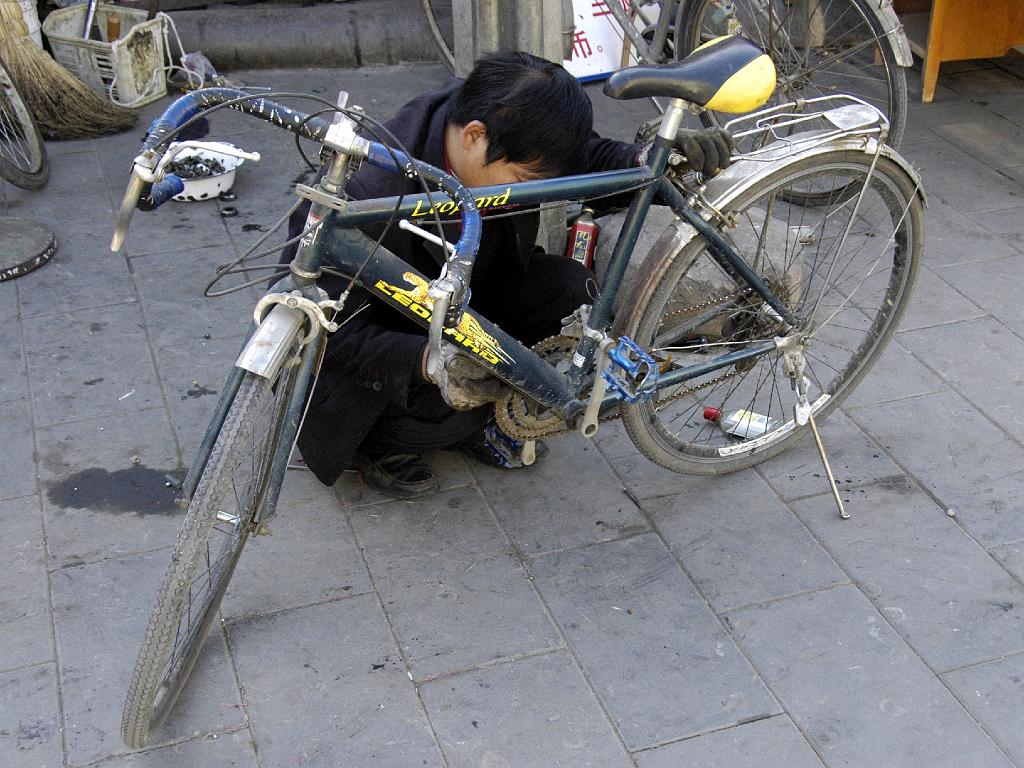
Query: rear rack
point(805, 123)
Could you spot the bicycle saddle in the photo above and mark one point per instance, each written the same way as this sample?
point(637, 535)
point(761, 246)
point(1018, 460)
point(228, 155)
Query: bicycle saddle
point(728, 74)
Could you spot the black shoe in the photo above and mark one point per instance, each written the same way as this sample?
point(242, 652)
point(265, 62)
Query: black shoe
point(398, 475)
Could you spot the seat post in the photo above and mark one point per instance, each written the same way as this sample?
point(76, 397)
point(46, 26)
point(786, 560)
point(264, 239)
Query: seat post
point(672, 119)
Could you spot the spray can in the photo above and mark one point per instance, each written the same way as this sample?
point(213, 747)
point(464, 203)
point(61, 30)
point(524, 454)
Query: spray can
point(742, 424)
point(582, 240)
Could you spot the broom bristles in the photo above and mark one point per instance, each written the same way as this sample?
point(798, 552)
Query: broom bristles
point(64, 107)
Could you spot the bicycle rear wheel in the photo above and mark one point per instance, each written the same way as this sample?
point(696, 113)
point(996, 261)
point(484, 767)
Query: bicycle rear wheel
point(22, 155)
point(849, 293)
point(439, 21)
point(820, 48)
point(221, 515)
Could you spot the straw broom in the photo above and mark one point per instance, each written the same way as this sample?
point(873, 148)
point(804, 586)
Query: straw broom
point(64, 107)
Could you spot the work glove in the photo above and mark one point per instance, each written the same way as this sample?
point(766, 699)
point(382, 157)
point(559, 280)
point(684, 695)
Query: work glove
point(464, 385)
point(707, 151)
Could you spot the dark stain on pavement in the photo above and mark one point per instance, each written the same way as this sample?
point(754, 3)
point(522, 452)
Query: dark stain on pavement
point(198, 391)
point(137, 489)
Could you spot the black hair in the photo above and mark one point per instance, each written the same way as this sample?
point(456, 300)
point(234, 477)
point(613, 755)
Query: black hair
point(536, 113)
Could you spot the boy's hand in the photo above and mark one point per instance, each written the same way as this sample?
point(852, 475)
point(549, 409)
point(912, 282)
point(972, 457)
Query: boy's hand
point(707, 151)
point(464, 385)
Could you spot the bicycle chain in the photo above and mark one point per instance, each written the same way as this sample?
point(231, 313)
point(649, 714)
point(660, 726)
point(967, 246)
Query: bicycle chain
point(511, 411)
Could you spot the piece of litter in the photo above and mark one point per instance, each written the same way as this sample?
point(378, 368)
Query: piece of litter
point(951, 512)
point(126, 394)
point(616, 608)
point(135, 459)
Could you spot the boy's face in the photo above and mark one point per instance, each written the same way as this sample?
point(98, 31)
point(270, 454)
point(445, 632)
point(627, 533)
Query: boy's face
point(466, 146)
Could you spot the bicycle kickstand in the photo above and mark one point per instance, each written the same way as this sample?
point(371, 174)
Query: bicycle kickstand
point(793, 362)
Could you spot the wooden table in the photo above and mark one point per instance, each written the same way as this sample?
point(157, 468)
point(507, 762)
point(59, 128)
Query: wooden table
point(952, 30)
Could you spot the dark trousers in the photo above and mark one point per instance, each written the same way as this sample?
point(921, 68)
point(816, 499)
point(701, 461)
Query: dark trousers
point(345, 416)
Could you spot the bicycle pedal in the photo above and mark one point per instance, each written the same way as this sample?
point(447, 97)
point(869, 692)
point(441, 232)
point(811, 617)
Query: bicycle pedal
point(631, 374)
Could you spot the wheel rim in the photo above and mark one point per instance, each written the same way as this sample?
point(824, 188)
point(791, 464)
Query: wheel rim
point(834, 48)
point(795, 246)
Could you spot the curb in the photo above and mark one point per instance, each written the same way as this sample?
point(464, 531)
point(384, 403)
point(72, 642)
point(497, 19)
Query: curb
point(340, 34)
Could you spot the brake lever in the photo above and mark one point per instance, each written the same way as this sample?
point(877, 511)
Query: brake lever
point(132, 195)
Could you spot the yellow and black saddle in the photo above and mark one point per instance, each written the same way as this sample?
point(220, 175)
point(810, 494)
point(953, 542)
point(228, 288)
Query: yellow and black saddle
point(727, 74)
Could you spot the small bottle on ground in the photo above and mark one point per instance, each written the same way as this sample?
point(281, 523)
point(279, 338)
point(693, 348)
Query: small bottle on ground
point(742, 424)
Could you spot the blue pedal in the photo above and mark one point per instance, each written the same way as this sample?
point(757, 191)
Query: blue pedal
point(633, 374)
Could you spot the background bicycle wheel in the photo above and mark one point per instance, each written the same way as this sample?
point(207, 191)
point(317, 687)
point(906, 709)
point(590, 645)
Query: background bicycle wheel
point(820, 48)
point(22, 155)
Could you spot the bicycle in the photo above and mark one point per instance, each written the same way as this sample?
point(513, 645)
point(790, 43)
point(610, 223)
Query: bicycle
point(809, 310)
point(819, 47)
point(22, 154)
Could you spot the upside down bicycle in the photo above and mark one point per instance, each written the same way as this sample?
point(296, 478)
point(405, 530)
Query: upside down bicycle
point(750, 302)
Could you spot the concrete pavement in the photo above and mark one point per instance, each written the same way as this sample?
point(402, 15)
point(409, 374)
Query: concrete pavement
point(518, 619)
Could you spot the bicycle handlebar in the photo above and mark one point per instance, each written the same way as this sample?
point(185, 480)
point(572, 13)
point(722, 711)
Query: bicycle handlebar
point(460, 265)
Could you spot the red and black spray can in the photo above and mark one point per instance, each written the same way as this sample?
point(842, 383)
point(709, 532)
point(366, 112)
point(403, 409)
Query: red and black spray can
point(583, 239)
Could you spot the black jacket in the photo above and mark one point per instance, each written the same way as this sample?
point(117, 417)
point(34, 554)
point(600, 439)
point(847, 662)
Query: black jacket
point(374, 356)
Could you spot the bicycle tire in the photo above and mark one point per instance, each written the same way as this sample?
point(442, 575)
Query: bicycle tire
point(162, 669)
point(791, 244)
point(853, 41)
point(444, 44)
point(22, 153)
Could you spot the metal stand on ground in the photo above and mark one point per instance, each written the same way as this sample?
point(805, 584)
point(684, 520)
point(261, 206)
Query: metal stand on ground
point(24, 246)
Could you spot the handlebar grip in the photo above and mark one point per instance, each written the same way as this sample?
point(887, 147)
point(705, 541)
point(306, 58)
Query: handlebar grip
point(161, 192)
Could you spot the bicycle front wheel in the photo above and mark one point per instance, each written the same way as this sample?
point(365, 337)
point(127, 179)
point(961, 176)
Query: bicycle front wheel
point(845, 269)
point(231, 491)
point(820, 48)
point(22, 156)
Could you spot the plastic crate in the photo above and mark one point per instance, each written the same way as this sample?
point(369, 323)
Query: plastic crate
point(129, 71)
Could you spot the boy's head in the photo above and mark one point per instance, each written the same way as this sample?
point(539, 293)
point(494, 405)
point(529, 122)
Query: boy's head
point(520, 115)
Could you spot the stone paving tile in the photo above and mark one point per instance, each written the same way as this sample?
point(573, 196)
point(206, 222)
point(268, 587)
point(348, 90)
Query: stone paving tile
point(193, 376)
point(855, 458)
point(958, 455)
point(309, 556)
point(176, 230)
point(613, 441)
point(960, 351)
point(325, 686)
point(992, 139)
point(982, 83)
point(29, 728)
point(770, 743)
point(225, 750)
point(100, 613)
point(648, 480)
point(24, 602)
point(996, 293)
point(534, 712)
point(449, 466)
point(96, 502)
point(72, 281)
point(1011, 557)
point(1009, 225)
point(895, 376)
point(936, 303)
point(962, 181)
point(938, 588)
point(8, 299)
point(994, 694)
point(176, 311)
point(102, 367)
point(677, 672)
point(739, 543)
point(851, 684)
point(13, 376)
point(953, 237)
point(454, 591)
point(547, 507)
point(19, 476)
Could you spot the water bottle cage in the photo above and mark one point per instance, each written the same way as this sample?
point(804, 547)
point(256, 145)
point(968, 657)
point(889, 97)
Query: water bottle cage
point(631, 374)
